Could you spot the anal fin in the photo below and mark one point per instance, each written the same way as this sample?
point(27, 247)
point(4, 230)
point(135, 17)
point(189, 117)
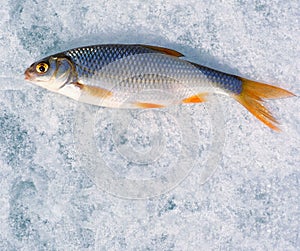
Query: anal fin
point(198, 98)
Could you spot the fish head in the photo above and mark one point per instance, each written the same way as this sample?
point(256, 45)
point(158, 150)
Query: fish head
point(51, 72)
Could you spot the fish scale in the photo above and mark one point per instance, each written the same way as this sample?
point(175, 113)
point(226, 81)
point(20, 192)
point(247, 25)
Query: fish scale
point(89, 61)
point(101, 55)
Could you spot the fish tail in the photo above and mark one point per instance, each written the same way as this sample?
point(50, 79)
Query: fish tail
point(252, 95)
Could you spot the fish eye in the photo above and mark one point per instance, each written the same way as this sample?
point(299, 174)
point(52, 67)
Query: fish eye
point(42, 67)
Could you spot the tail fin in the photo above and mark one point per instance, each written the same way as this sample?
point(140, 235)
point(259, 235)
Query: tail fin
point(252, 96)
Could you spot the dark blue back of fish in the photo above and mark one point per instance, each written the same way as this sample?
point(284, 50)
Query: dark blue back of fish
point(91, 59)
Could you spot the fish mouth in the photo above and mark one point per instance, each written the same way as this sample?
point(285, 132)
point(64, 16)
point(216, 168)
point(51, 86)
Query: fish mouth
point(27, 74)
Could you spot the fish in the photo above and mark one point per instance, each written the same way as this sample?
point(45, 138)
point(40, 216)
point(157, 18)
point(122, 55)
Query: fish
point(137, 76)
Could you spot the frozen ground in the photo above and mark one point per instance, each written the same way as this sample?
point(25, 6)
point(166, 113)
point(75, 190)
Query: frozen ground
point(53, 150)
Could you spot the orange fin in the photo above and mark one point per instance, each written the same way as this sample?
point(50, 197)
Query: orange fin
point(201, 97)
point(94, 91)
point(148, 105)
point(164, 50)
point(252, 96)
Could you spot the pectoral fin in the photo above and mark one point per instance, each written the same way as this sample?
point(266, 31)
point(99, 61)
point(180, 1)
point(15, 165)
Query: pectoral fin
point(94, 90)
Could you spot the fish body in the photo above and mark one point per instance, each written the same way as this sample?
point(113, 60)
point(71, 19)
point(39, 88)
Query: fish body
point(143, 76)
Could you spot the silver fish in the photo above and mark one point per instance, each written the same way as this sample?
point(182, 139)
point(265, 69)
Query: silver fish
point(144, 76)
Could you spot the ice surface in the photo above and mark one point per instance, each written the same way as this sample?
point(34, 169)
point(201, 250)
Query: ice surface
point(48, 196)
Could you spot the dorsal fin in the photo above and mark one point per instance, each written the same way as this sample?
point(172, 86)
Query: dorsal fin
point(163, 50)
